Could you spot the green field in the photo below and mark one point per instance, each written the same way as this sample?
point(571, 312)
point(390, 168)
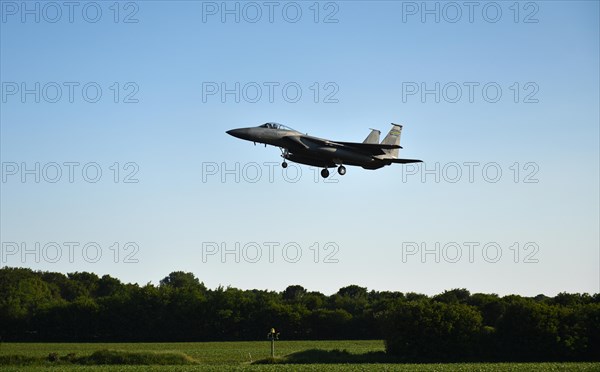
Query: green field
point(218, 356)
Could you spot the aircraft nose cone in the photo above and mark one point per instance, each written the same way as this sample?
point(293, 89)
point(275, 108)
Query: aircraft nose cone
point(239, 133)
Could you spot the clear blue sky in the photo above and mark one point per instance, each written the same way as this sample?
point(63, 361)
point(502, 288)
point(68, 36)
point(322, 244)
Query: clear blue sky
point(372, 57)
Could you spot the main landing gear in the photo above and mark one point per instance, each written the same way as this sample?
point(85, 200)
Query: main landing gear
point(341, 171)
point(324, 172)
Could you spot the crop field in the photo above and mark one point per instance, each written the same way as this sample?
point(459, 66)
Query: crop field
point(219, 356)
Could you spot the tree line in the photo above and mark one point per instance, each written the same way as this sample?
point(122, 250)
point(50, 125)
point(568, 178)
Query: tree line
point(452, 326)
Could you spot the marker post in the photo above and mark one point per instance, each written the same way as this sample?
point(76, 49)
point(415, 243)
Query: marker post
point(272, 335)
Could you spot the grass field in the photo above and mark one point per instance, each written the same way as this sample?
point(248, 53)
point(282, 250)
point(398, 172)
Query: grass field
point(218, 356)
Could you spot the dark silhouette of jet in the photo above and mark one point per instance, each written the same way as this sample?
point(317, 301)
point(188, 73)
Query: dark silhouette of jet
point(323, 153)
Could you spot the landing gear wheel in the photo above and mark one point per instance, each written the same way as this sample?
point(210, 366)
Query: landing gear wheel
point(284, 154)
point(341, 170)
point(325, 173)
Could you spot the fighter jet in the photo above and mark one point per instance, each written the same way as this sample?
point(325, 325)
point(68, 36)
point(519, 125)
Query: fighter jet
point(304, 149)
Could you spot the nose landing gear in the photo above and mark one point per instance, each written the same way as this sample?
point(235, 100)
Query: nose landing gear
point(284, 155)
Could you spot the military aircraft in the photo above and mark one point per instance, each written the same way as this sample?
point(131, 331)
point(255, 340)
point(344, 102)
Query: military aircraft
point(304, 149)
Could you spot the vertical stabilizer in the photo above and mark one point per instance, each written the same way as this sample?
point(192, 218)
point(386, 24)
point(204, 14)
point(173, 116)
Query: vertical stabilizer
point(373, 137)
point(393, 138)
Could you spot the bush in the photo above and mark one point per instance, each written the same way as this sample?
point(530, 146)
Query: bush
point(143, 358)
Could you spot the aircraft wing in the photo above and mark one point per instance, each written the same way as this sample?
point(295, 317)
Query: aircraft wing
point(309, 142)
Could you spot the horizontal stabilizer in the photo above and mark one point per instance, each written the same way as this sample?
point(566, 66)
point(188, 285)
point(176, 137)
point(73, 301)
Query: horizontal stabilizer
point(405, 161)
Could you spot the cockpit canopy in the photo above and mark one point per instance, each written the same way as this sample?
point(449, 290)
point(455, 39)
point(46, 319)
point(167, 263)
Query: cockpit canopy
point(276, 126)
